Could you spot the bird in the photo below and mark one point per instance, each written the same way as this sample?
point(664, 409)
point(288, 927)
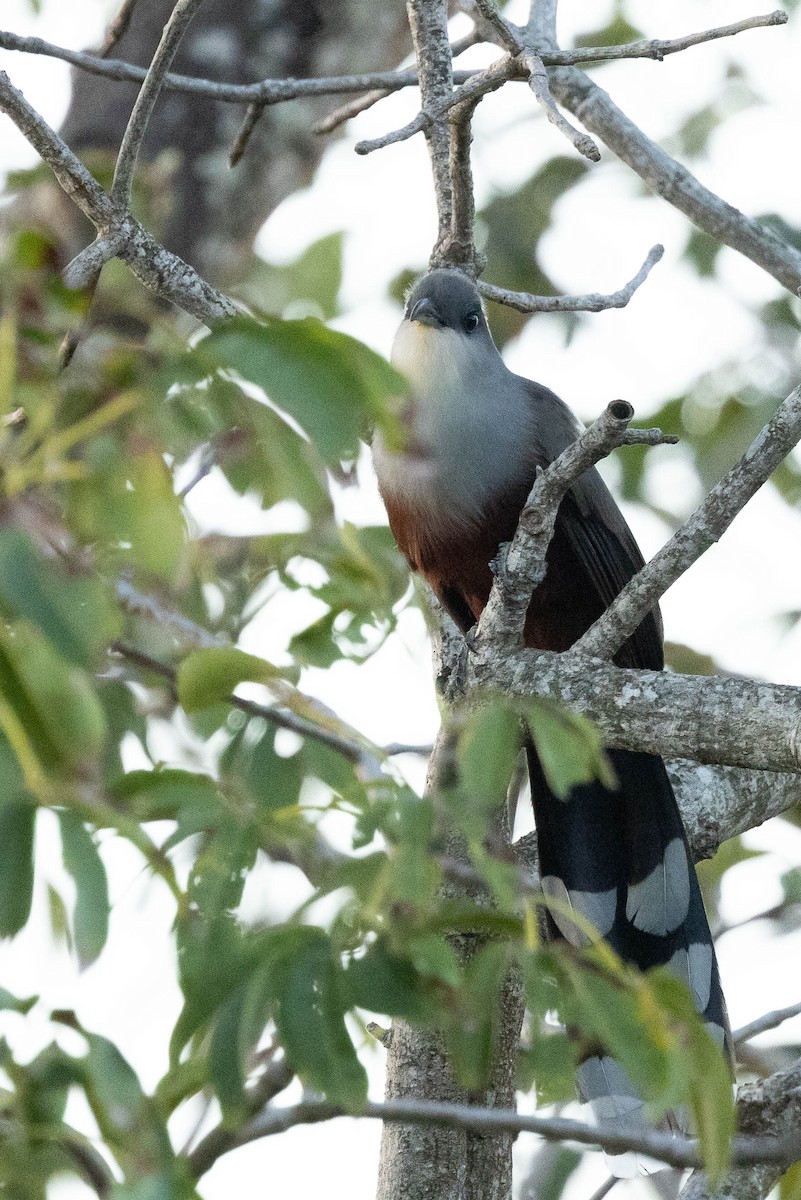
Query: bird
point(475, 435)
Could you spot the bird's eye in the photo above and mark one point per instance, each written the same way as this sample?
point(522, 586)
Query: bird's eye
point(471, 322)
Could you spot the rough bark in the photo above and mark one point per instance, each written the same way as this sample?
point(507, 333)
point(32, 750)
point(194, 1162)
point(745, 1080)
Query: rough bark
point(421, 1162)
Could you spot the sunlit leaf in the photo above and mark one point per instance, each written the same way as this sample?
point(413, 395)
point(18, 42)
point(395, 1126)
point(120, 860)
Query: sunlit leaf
point(206, 677)
point(332, 385)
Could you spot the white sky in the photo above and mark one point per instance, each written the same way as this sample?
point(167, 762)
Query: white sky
point(676, 326)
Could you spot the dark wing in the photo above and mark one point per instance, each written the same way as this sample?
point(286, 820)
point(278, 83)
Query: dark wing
point(592, 526)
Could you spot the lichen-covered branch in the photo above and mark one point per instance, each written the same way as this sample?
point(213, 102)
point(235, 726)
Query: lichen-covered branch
point(712, 719)
point(520, 567)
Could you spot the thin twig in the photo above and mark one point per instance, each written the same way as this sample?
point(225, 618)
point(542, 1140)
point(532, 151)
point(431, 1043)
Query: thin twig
point(520, 568)
point(591, 302)
point(68, 169)
point(428, 21)
point(221, 1139)
point(253, 115)
point(598, 113)
point(136, 129)
point(157, 268)
point(506, 35)
point(538, 82)
point(332, 731)
point(277, 91)
point(118, 27)
point(762, 1024)
point(674, 1150)
point(353, 108)
point(705, 527)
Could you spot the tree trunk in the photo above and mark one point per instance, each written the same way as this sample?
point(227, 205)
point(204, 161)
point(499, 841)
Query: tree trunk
point(421, 1162)
point(211, 212)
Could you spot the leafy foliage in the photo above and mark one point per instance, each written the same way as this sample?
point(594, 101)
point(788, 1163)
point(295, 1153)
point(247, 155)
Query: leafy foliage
point(95, 460)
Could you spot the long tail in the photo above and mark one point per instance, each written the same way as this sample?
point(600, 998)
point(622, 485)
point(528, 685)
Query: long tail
point(620, 859)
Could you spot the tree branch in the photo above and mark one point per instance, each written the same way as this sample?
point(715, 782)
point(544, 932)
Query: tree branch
point(277, 91)
point(520, 566)
point(676, 1151)
point(705, 527)
point(133, 137)
point(712, 719)
point(158, 269)
point(428, 20)
point(591, 302)
point(771, 1106)
point(663, 175)
point(762, 1024)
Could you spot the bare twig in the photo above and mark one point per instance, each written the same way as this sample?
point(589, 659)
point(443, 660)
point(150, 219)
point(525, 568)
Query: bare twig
point(503, 30)
point(253, 115)
point(669, 179)
point(592, 302)
point(158, 269)
point(85, 268)
point(361, 104)
point(705, 527)
point(538, 82)
point(479, 84)
point(762, 1024)
point(135, 131)
point(277, 91)
point(118, 27)
point(68, 169)
point(676, 1151)
point(332, 731)
point(428, 20)
point(520, 567)
point(219, 1141)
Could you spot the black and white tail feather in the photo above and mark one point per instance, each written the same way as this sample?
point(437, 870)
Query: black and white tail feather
point(620, 859)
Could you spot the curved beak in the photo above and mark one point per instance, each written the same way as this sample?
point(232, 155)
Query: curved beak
point(425, 313)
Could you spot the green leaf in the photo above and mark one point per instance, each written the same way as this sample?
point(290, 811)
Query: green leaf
point(473, 1034)
point(433, 956)
point(790, 1183)
point(82, 860)
point(315, 277)
point(17, 821)
point(58, 718)
point(303, 979)
point(386, 983)
point(488, 750)
point(207, 677)
point(226, 1070)
point(13, 1004)
point(331, 384)
point(128, 1119)
point(569, 748)
point(74, 614)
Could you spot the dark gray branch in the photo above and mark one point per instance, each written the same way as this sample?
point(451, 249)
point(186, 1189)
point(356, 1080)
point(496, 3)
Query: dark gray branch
point(428, 20)
point(677, 1151)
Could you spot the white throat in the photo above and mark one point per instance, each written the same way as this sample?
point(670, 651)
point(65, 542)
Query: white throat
point(471, 423)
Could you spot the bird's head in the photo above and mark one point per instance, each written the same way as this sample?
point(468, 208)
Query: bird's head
point(444, 329)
